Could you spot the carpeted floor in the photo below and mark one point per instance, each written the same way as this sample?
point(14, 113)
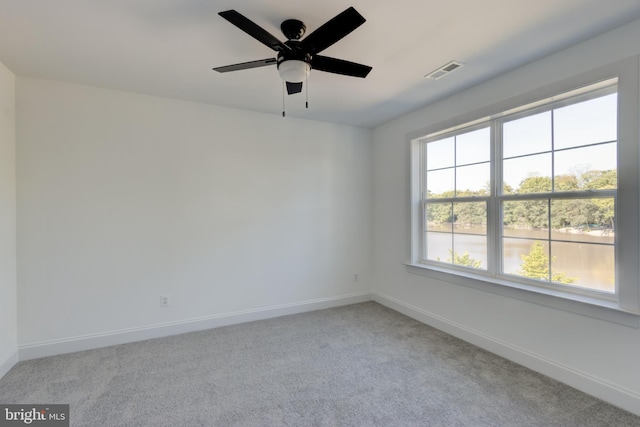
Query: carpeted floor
point(358, 365)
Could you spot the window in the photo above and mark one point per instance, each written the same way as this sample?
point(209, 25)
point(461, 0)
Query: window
point(457, 188)
point(558, 192)
point(530, 197)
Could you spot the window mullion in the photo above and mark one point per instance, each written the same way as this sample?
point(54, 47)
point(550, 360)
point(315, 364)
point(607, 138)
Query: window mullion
point(553, 189)
point(423, 206)
point(493, 205)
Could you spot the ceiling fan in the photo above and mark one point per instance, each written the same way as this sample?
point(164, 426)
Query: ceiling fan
point(296, 58)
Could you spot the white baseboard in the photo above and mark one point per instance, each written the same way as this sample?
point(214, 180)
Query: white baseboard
point(8, 361)
point(619, 396)
point(88, 342)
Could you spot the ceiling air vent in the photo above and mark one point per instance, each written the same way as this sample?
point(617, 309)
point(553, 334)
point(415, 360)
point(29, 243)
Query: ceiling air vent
point(444, 70)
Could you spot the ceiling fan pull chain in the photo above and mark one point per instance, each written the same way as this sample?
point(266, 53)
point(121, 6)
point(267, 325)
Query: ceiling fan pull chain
point(283, 83)
point(306, 91)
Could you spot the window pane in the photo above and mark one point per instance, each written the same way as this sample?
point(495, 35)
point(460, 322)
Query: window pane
point(469, 251)
point(440, 183)
point(473, 147)
point(530, 174)
point(470, 217)
point(439, 246)
point(526, 258)
point(439, 217)
point(440, 154)
point(583, 220)
point(584, 265)
point(526, 218)
point(473, 180)
point(587, 122)
point(528, 135)
point(581, 168)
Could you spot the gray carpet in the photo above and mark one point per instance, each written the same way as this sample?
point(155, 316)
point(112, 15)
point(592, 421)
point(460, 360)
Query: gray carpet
point(359, 365)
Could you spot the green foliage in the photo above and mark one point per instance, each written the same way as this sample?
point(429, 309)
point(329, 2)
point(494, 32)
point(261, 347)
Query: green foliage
point(470, 213)
point(535, 265)
point(526, 214)
point(587, 213)
point(566, 183)
point(599, 180)
point(440, 213)
point(535, 184)
point(464, 259)
point(562, 278)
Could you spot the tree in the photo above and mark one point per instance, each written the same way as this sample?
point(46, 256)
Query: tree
point(464, 259)
point(566, 183)
point(600, 180)
point(440, 213)
point(570, 212)
point(536, 263)
point(535, 184)
point(531, 213)
point(469, 214)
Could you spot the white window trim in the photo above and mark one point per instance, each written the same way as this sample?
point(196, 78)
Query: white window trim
point(624, 310)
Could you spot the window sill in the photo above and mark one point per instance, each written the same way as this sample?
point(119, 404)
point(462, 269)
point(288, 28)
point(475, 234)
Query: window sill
point(578, 304)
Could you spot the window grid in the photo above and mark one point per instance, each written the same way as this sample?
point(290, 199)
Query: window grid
point(494, 200)
point(552, 195)
point(453, 259)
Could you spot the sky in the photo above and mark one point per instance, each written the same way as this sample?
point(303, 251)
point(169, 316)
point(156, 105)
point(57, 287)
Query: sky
point(527, 147)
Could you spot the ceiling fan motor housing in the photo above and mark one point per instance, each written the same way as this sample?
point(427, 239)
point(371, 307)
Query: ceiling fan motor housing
point(293, 29)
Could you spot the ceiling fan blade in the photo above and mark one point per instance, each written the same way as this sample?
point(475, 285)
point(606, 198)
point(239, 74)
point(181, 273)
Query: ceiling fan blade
point(254, 30)
point(246, 65)
point(339, 66)
point(332, 31)
point(294, 88)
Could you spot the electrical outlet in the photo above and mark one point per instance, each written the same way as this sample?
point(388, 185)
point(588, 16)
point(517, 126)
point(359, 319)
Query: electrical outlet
point(355, 277)
point(165, 300)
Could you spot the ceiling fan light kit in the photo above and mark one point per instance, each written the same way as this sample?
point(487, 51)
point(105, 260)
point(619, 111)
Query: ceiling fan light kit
point(294, 70)
point(296, 58)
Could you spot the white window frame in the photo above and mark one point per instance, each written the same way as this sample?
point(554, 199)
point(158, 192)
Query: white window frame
point(624, 306)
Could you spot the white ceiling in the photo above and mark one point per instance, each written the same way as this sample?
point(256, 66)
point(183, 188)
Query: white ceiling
point(168, 47)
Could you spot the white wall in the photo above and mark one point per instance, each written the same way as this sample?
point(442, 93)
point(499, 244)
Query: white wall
point(597, 356)
point(122, 197)
point(8, 317)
